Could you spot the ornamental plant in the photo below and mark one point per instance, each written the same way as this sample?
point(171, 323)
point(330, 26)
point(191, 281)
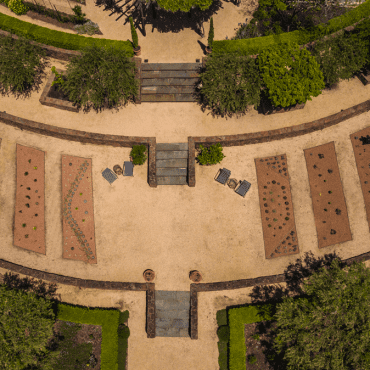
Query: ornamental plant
point(212, 155)
point(348, 54)
point(78, 17)
point(17, 7)
point(184, 6)
point(59, 79)
point(137, 154)
point(290, 75)
point(252, 359)
point(135, 40)
point(90, 28)
point(230, 83)
point(211, 34)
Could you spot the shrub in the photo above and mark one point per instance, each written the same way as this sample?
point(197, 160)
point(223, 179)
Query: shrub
point(135, 40)
point(211, 34)
point(213, 155)
point(114, 77)
point(223, 333)
point(252, 359)
point(137, 154)
point(17, 7)
point(124, 332)
point(20, 63)
point(347, 56)
point(90, 28)
point(288, 87)
point(79, 17)
point(230, 83)
point(59, 79)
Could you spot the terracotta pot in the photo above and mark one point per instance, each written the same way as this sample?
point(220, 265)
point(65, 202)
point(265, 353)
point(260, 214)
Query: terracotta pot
point(208, 50)
point(137, 51)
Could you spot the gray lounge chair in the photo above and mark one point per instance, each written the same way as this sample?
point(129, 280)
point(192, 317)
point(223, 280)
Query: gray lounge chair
point(109, 175)
point(223, 175)
point(128, 169)
point(243, 188)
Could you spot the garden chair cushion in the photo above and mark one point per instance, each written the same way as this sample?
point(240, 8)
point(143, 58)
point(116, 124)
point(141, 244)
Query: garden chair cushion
point(128, 169)
point(223, 176)
point(109, 175)
point(243, 188)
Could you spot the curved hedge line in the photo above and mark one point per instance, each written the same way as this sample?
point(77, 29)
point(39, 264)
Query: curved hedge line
point(58, 39)
point(303, 37)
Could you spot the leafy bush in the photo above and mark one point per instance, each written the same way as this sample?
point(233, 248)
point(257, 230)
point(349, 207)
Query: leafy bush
point(347, 56)
point(137, 154)
point(252, 359)
point(79, 17)
point(211, 34)
point(20, 63)
point(223, 333)
point(213, 155)
point(135, 40)
point(89, 27)
point(124, 332)
point(288, 87)
point(17, 7)
point(59, 79)
point(230, 83)
point(100, 75)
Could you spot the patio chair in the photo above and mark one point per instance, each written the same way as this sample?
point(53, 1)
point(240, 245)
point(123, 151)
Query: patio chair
point(243, 188)
point(128, 169)
point(223, 175)
point(109, 175)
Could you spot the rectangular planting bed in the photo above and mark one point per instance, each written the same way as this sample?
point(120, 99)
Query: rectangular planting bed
point(361, 148)
point(78, 210)
point(329, 205)
point(29, 217)
point(279, 231)
point(52, 96)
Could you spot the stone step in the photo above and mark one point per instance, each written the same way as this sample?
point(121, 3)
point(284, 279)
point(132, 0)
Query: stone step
point(171, 172)
point(182, 314)
point(180, 162)
point(172, 299)
point(169, 74)
point(173, 332)
point(154, 98)
point(171, 154)
point(170, 66)
point(169, 82)
point(172, 180)
point(166, 90)
point(171, 146)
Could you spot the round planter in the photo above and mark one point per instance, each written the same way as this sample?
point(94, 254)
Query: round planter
point(149, 275)
point(137, 51)
point(195, 276)
point(208, 50)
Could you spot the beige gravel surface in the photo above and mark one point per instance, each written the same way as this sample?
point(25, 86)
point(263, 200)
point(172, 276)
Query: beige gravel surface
point(175, 229)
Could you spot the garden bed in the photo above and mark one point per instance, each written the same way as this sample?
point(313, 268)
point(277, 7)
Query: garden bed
point(78, 210)
point(329, 205)
point(279, 231)
point(29, 218)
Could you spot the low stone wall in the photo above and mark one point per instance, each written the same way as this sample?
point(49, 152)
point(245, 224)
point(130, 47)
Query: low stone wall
point(88, 137)
point(267, 136)
point(94, 284)
point(238, 284)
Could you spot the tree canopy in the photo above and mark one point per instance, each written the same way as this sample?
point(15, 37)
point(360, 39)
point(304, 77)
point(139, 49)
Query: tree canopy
point(184, 6)
point(333, 330)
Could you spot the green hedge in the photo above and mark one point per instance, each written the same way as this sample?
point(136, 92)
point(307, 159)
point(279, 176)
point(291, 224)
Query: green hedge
point(57, 39)
point(113, 347)
point(255, 45)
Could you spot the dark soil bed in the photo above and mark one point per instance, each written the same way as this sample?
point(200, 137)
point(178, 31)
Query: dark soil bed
point(56, 92)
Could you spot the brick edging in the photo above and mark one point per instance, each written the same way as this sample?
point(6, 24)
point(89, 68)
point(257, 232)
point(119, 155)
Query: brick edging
point(94, 284)
point(88, 137)
point(238, 284)
point(272, 135)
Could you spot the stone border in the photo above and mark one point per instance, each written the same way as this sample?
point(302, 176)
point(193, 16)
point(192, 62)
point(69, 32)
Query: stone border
point(94, 284)
point(238, 284)
point(88, 137)
point(267, 136)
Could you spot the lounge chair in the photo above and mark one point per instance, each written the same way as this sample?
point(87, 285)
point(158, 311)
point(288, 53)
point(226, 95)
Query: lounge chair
point(223, 175)
point(128, 169)
point(243, 188)
point(109, 175)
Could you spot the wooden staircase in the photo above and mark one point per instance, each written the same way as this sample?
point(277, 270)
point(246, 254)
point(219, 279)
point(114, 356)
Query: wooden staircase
point(172, 164)
point(169, 82)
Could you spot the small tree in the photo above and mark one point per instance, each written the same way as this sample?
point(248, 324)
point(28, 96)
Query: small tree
point(211, 34)
point(290, 75)
point(331, 328)
point(135, 40)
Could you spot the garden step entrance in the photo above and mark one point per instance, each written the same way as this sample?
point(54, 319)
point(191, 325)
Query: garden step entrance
point(172, 163)
point(172, 313)
point(169, 82)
